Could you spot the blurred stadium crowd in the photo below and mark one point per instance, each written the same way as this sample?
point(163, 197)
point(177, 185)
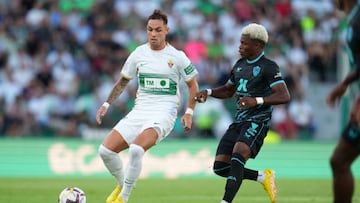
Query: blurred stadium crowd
point(60, 59)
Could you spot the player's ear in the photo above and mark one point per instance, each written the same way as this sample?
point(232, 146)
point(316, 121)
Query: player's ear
point(260, 44)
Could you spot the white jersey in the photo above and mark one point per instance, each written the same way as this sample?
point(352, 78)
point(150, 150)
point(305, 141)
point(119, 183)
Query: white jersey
point(159, 74)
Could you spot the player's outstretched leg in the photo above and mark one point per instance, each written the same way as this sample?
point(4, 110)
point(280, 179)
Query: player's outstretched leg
point(114, 194)
point(269, 184)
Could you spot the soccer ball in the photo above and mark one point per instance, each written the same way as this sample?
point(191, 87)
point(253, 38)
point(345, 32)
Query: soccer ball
point(72, 195)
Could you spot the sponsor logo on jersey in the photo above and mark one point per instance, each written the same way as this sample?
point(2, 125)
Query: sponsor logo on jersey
point(156, 83)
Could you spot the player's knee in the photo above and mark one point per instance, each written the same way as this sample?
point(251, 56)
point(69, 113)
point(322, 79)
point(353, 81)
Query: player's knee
point(221, 168)
point(105, 153)
point(333, 162)
point(338, 164)
point(136, 151)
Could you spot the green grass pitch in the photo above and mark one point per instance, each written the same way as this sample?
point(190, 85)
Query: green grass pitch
point(157, 190)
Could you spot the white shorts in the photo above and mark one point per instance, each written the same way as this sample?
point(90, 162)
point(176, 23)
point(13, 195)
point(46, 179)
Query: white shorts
point(136, 122)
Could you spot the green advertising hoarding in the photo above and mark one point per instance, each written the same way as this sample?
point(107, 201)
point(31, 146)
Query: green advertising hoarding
point(71, 157)
point(169, 159)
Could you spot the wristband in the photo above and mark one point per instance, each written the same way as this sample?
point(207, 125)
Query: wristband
point(106, 104)
point(259, 100)
point(189, 111)
point(209, 91)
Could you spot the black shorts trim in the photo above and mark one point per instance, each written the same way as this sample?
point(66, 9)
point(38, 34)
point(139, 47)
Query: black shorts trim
point(250, 132)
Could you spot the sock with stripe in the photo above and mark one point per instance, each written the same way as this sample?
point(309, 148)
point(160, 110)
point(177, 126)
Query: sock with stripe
point(222, 169)
point(235, 177)
point(250, 174)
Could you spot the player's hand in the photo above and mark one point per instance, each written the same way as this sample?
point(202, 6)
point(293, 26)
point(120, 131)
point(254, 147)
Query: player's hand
point(333, 99)
point(186, 122)
point(246, 102)
point(201, 96)
point(100, 113)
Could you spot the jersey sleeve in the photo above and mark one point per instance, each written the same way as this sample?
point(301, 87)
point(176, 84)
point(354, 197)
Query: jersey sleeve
point(232, 78)
point(272, 74)
point(186, 67)
point(129, 69)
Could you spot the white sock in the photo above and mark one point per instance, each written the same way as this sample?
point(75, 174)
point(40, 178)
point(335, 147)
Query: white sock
point(261, 176)
point(223, 201)
point(113, 163)
point(133, 170)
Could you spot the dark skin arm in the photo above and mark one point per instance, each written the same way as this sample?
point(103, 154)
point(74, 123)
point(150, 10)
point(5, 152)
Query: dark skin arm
point(221, 92)
point(280, 95)
point(335, 95)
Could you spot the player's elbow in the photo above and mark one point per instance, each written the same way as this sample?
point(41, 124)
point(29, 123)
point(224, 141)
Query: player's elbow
point(286, 98)
point(281, 99)
point(283, 96)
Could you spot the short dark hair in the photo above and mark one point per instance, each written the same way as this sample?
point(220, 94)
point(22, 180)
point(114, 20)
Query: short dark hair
point(157, 14)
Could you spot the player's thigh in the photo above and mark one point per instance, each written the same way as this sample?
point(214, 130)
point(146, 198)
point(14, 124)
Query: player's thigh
point(128, 128)
point(115, 142)
point(159, 124)
point(344, 152)
point(243, 149)
point(147, 138)
point(226, 145)
point(145, 128)
point(155, 128)
point(252, 134)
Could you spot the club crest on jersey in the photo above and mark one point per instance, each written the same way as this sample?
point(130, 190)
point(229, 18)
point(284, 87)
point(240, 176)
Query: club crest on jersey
point(256, 70)
point(170, 63)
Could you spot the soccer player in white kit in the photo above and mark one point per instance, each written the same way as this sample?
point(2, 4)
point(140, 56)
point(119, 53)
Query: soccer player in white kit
point(159, 68)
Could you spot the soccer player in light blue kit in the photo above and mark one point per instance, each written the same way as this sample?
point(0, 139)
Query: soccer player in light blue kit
point(159, 68)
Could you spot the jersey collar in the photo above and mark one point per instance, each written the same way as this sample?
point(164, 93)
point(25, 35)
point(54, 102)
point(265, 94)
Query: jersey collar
point(257, 58)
